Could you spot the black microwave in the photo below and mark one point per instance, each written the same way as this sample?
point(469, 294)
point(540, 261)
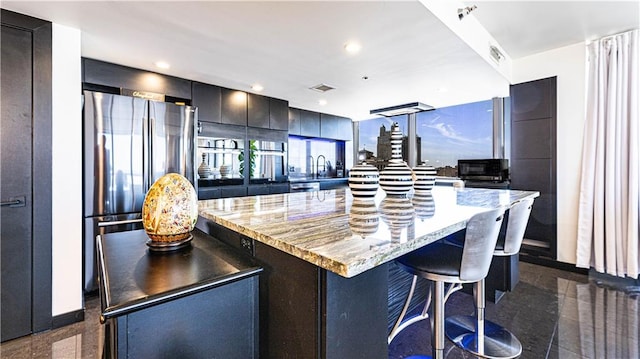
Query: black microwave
point(492, 169)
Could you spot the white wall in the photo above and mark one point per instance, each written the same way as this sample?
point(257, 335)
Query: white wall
point(569, 65)
point(66, 153)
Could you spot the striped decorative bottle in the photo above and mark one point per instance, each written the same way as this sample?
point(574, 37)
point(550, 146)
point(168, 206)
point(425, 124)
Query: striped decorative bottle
point(396, 179)
point(363, 180)
point(425, 177)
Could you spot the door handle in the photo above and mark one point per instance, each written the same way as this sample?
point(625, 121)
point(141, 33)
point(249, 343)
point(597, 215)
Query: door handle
point(13, 202)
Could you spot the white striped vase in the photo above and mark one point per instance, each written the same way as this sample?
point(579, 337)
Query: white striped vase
point(396, 178)
point(363, 180)
point(425, 177)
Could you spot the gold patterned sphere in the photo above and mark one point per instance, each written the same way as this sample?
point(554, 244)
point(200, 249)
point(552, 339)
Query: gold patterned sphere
point(170, 209)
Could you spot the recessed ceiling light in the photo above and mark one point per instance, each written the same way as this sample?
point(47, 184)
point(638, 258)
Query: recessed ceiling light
point(322, 102)
point(257, 88)
point(162, 65)
point(352, 47)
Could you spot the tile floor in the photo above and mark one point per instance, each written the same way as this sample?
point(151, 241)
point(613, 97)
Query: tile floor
point(555, 314)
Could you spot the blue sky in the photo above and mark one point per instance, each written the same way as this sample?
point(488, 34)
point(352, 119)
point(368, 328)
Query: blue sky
point(448, 134)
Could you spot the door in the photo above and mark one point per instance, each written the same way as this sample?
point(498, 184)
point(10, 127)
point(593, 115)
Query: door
point(172, 131)
point(16, 183)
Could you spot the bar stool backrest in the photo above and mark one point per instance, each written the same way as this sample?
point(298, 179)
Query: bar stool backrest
point(479, 244)
point(516, 225)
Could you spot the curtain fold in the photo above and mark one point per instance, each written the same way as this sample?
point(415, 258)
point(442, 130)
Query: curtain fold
point(608, 229)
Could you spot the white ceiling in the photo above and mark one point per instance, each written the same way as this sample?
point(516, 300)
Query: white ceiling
point(407, 54)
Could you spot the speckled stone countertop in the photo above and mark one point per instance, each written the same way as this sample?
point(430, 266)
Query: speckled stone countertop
point(335, 232)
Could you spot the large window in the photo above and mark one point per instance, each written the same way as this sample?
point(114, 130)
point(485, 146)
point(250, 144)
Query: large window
point(457, 132)
point(443, 136)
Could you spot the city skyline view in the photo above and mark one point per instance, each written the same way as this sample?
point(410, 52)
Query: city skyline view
point(448, 134)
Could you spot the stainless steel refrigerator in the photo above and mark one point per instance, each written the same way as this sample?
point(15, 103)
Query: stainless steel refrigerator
point(129, 143)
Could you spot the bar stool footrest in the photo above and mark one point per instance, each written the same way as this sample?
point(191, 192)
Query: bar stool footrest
point(499, 343)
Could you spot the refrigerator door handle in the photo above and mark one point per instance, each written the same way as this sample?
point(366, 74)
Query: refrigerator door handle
point(115, 223)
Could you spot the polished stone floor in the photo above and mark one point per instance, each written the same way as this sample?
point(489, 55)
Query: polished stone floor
point(555, 314)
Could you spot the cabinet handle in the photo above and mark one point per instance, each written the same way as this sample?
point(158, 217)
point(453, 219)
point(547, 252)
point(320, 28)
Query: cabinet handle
point(115, 223)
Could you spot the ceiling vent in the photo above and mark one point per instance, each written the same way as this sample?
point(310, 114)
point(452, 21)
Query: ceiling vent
point(322, 88)
point(402, 109)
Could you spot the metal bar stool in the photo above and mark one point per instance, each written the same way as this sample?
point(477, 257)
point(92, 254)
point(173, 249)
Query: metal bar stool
point(476, 335)
point(445, 263)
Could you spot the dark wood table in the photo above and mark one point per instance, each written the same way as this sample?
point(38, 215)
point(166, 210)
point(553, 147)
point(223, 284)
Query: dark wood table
point(200, 301)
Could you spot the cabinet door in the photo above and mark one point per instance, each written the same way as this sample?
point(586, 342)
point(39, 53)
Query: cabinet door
point(234, 107)
point(328, 126)
point(278, 114)
point(108, 74)
point(257, 190)
point(345, 129)
point(309, 123)
point(208, 100)
point(257, 111)
point(277, 188)
point(294, 121)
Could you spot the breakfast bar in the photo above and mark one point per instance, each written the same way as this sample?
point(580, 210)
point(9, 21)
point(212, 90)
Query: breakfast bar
point(323, 292)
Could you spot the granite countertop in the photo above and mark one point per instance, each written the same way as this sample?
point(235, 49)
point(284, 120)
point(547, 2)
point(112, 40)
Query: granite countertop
point(335, 232)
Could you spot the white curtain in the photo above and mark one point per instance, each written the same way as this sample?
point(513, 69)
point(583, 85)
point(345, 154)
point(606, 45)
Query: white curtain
point(609, 189)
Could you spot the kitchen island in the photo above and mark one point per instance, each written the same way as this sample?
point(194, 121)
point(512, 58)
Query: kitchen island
point(323, 293)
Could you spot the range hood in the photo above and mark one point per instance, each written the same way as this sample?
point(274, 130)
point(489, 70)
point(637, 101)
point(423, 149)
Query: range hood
point(402, 109)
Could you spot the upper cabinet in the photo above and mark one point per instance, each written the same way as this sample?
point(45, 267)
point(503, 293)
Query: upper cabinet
point(208, 99)
point(267, 112)
point(309, 123)
point(294, 121)
point(321, 125)
point(278, 114)
point(233, 107)
point(258, 111)
point(117, 76)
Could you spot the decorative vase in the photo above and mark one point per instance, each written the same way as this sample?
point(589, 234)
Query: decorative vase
point(397, 212)
point(363, 180)
point(423, 204)
point(396, 178)
point(170, 212)
point(363, 217)
point(225, 171)
point(203, 170)
point(425, 177)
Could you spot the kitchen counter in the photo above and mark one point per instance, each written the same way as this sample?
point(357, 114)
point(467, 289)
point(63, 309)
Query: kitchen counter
point(141, 291)
point(315, 226)
point(325, 289)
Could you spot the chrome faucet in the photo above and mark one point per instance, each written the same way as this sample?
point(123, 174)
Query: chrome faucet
point(324, 165)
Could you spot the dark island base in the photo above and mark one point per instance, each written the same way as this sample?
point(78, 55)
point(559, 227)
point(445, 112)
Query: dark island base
point(309, 312)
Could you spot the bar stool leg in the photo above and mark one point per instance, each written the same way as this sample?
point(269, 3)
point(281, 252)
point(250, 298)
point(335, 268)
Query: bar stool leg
point(481, 337)
point(437, 325)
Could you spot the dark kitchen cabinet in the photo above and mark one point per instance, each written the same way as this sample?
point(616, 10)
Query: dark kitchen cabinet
point(234, 107)
point(328, 126)
point(208, 193)
point(533, 159)
point(116, 76)
point(259, 189)
point(208, 99)
point(267, 112)
point(257, 111)
point(278, 114)
point(294, 121)
point(335, 127)
point(309, 123)
point(207, 291)
point(233, 191)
